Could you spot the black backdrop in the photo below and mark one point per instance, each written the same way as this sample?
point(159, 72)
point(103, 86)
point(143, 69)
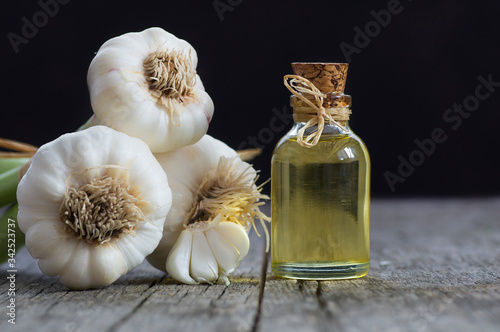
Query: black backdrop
point(415, 71)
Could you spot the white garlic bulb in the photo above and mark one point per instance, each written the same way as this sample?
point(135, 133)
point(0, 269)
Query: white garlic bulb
point(213, 192)
point(145, 85)
point(92, 205)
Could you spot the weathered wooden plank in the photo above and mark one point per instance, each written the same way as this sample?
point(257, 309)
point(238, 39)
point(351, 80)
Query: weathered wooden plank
point(144, 299)
point(435, 266)
point(175, 307)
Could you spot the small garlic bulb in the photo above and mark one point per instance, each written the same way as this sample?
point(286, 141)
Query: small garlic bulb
point(214, 203)
point(145, 85)
point(92, 205)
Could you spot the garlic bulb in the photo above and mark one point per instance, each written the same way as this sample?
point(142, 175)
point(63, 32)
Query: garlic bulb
point(92, 205)
point(145, 85)
point(214, 202)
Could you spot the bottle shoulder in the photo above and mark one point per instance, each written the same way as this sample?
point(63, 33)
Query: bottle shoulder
point(346, 147)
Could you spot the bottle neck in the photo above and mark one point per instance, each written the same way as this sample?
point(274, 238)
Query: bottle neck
point(318, 107)
point(335, 111)
point(333, 107)
point(329, 128)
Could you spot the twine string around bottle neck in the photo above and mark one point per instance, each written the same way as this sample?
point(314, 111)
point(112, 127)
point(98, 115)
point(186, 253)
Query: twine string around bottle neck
point(301, 87)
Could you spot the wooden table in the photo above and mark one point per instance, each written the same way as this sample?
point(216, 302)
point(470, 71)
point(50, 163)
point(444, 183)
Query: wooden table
point(435, 266)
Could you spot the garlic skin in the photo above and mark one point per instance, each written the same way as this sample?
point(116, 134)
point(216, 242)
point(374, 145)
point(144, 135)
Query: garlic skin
point(73, 182)
point(145, 85)
point(213, 192)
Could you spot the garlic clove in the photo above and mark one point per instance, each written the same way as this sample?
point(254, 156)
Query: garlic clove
point(43, 239)
point(41, 185)
point(93, 266)
point(236, 235)
point(179, 259)
point(37, 212)
point(225, 250)
point(204, 266)
point(106, 265)
point(135, 248)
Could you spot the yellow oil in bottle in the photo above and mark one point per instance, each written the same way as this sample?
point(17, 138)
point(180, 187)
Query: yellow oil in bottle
point(320, 208)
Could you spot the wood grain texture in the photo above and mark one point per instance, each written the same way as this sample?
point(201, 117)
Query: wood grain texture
point(435, 266)
point(145, 299)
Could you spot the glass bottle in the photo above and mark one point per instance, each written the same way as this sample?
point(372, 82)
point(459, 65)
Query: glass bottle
point(321, 194)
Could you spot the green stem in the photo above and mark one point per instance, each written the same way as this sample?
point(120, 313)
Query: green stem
point(8, 185)
point(10, 227)
point(9, 163)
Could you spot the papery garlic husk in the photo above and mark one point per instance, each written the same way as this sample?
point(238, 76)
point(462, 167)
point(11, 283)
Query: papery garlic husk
point(92, 205)
point(145, 85)
point(213, 191)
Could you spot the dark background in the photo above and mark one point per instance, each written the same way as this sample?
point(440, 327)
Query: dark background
point(403, 80)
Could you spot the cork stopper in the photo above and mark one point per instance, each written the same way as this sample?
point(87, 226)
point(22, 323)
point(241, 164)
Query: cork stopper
point(327, 77)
